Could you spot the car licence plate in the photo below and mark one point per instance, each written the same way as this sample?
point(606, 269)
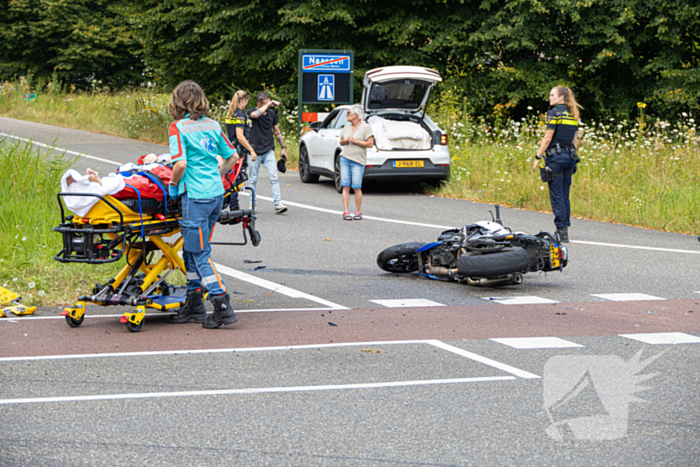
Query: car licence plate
point(407, 164)
point(554, 255)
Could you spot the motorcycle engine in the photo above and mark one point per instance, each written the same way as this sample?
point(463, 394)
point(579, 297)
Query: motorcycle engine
point(444, 255)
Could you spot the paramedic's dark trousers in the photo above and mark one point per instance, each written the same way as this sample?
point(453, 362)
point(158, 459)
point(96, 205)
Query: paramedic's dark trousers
point(559, 188)
point(199, 217)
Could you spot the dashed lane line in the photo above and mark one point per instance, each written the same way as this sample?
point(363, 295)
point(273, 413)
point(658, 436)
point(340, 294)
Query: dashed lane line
point(664, 338)
point(626, 297)
point(404, 303)
point(526, 300)
point(536, 342)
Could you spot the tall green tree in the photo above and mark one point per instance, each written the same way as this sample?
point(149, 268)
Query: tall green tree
point(79, 40)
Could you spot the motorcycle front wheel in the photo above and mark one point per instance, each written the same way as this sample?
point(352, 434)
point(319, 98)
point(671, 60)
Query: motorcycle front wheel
point(400, 258)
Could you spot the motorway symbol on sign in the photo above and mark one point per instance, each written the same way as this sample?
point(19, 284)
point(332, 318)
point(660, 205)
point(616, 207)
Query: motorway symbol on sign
point(316, 63)
point(326, 87)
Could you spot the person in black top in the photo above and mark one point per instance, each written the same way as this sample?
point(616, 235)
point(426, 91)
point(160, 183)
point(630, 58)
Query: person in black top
point(265, 124)
point(560, 146)
point(238, 128)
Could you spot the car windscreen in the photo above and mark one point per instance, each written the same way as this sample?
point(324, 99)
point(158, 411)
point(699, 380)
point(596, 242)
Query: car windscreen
point(397, 94)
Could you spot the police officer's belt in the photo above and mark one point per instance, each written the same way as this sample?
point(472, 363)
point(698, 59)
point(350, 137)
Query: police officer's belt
point(558, 148)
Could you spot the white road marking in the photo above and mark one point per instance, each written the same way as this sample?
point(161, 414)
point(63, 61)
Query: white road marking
point(410, 302)
point(636, 247)
point(289, 292)
point(528, 300)
point(202, 351)
point(536, 342)
point(626, 297)
point(165, 313)
point(486, 361)
point(381, 219)
point(340, 213)
point(68, 151)
point(435, 343)
point(664, 338)
point(226, 392)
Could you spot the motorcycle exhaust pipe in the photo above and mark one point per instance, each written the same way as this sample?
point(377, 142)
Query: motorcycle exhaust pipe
point(441, 271)
point(489, 282)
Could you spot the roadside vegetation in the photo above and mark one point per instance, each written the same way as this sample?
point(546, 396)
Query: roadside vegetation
point(29, 181)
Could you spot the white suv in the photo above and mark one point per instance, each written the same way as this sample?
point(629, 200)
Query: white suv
point(408, 145)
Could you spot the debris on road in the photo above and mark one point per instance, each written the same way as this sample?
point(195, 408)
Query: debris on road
point(332, 324)
point(259, 267)
point(252, 261)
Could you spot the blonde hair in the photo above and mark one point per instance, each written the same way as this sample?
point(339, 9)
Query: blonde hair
point(188, 98)
point(569, 100)
point(238, 96)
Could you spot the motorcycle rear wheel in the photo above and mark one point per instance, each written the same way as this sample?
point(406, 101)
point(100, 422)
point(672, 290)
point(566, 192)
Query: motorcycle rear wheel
point(490, 265)
point(400, 258)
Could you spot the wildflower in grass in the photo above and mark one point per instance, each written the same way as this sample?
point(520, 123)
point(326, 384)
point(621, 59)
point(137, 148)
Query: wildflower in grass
point(41, 293)
point(15, 279)
point(31, 285)
point(641, 105)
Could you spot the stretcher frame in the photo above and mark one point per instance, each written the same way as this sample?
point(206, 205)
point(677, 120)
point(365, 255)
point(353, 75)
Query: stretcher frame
point(111, 230)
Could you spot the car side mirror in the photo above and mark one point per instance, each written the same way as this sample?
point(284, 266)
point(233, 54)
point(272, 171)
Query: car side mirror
point(315, 125)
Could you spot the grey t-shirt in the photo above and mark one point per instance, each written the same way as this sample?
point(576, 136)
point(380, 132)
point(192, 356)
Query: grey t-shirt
point(352, 151)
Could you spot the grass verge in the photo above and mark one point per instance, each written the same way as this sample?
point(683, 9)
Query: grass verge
point(29, 181)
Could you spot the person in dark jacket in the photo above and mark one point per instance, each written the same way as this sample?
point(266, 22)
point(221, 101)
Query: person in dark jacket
point(238, 127)
point(560, 147)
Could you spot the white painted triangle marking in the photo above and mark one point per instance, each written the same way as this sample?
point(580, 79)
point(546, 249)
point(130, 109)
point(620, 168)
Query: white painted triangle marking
point(626, 297)
point(536, 342)
point(406, 303)
point(529, 300)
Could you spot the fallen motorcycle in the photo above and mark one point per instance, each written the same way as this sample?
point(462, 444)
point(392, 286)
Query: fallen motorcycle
point(485, 253)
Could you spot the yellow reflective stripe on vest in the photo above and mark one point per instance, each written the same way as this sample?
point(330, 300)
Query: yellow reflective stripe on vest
point(563, 121)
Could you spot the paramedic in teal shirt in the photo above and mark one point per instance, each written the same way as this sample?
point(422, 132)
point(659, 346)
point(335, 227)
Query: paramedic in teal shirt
point(195, 143)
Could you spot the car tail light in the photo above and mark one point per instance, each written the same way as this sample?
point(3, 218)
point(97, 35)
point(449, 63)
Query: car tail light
point(443, 139)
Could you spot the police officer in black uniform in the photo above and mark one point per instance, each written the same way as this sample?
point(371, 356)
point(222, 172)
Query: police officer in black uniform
point(559, 148)
point(238, 128)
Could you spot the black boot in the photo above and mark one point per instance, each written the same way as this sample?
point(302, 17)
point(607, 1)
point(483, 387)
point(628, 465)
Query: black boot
point(192, 309)
point(563, 234)
point(223, 312)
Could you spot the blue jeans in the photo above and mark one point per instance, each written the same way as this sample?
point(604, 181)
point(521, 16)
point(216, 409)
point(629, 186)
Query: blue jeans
point(351, 173)
point(198, 219)
point(559, 188)
point(270, 162)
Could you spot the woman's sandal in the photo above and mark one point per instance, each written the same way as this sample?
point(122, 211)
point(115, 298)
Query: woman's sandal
point(347, 216)
point(358, 216)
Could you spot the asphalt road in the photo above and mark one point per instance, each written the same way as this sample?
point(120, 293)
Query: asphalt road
point(320, 371)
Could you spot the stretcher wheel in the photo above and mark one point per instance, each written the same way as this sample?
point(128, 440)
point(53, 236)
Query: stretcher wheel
point(135, 327)
point(74, 323)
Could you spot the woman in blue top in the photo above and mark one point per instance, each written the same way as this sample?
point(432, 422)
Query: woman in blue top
point(560, 145)
point(195, 143)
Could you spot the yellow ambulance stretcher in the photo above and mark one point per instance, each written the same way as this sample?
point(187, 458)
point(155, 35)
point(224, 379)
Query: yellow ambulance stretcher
point(115, 229)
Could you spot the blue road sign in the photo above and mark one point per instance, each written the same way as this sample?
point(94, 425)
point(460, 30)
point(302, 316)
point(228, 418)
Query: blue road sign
point(318, 63)
point(326, 87)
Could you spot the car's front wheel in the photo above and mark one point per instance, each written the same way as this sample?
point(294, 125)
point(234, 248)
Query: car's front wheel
point(336, 174)
point(305, 167)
